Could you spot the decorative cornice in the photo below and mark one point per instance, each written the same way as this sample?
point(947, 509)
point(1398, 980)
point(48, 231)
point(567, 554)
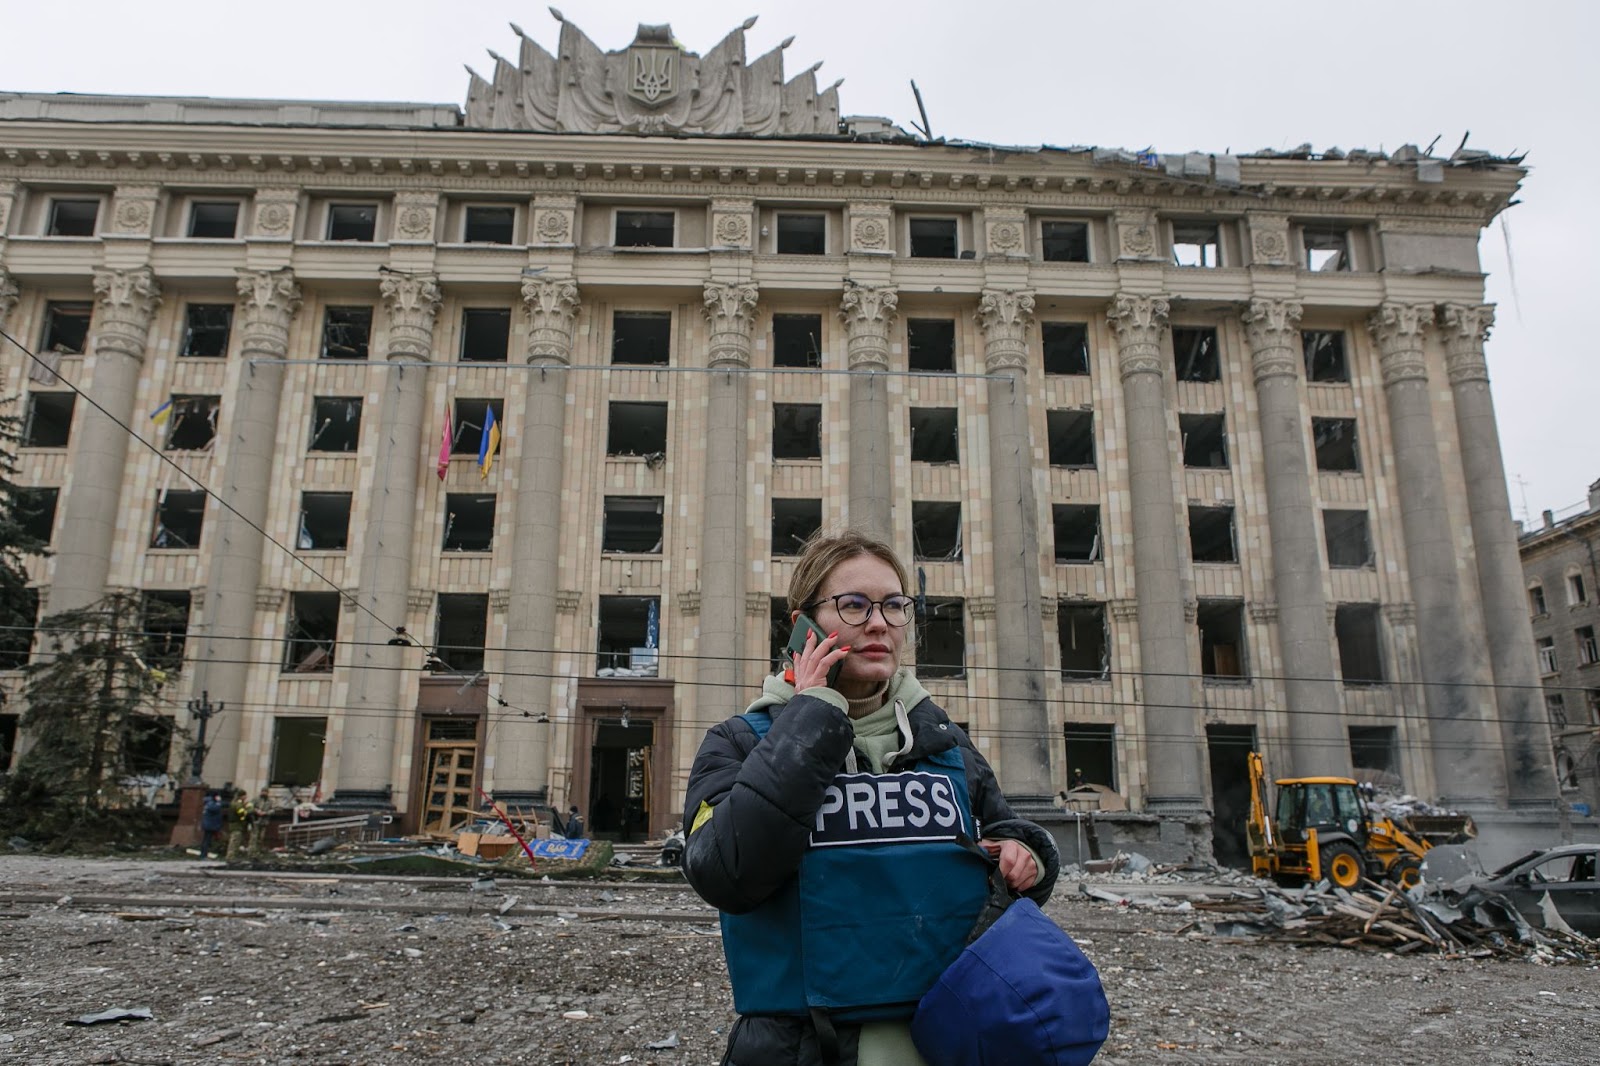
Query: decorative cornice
point(1004, 315)
point(567, 600)
point(981, 606)
point(269, 300)
point(126, 300)
point(551, 306)
point(1466, 329)
point(1124, 610)
point(1273, 328)
point(689, 601)
point(1400, 330)
point(731, 311)
point(1264, 611)
point(499, 599)
point(1140, 323)
point(412, 301)
point(9, 294)
point(868, 311)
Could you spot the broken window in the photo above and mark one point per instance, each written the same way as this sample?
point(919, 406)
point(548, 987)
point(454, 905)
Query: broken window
point(335, 424)
point(942, 637)
point(214, 220)
point(313, 630)
point(645, 229)
point(1324, 355)
point(346, 332)
point(1348, 538)
point(1588, 650)
point(205, 331)
point(180, 516)
point(779, 629)
point(146, 745)
point(934, 435)
point(16, 643)
point(797, 431)
point(35, 509)
point(1196, 244)
point(1576, 593)
point(466, 429)
point(192, 423)
point(485, 334)
point(797, 340)
point(628, 636)
point(1211, 537)
point(1591, 699)
point(1066, 347)
point(468, 522)
point(1085, 650)
point(1064, 242)
point(637, 429)
point(1555, 705)
point(460, 633)
point(324, 521)
point(1221, 625)
point(1194, 348)
point(66, 327)
point(1205, 441)
point(297, 747)
point(935, 529)
point(933, 238)
point(641, 338)
point(633, 524)
point(73, 218)
point(1077, 532)
point(1091, 751)
point(1335, 441)
point(1536, 601)
point(8, 740)
point(486, 224)
point(1071, 437)
point(164, 618)
point(1355, 626)
point(48, 420)
point(1546, 647)
point(352, 222)
point(1375, 747)
point(1326, 248)
point(931, 345)
point(802, 235)
point(793, 522)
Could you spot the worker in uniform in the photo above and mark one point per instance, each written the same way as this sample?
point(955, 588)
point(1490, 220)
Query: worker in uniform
point(241, 812)
point(256, 832)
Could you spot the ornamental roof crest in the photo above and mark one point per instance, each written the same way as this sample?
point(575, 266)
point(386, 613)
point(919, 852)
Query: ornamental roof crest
point(652, 86)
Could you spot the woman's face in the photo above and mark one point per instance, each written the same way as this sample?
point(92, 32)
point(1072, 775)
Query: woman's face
point(875, 645)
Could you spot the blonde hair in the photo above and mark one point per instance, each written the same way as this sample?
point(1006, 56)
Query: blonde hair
point(824, 551)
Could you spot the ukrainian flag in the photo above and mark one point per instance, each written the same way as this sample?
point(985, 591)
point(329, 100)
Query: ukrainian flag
point(489, 444)
point(159, 416)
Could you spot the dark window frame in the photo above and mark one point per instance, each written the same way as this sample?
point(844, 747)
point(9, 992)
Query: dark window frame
point(797, 341)
point(457, 535)
point(1330, 449)
point(59, 409)
point(628, 330)
point(197, 208)
point(945, 616)
point(621, 533)
point(794, 521)
point(320, 521)
point(325, 416)
point(485, 334)
point(311, 637)
point(207, 331)
point(352, 325)
point(1197, 354)
point(179, 522)
point(1064, 247)
point(815, 243)
point(644, 223)
point(1067, 354)
point(66, 326)
point(933, 246)
point(346, 225)
point(1095, 620)
point(506, 226)
point(935, 434)
point(71, 222)
point(1184, 232)
point(804, 442)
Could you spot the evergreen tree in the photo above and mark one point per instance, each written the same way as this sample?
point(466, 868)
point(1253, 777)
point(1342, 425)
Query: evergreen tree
point(17, 602)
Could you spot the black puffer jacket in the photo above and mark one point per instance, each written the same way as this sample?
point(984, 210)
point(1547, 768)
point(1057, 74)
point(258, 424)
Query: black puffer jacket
point(764, 799)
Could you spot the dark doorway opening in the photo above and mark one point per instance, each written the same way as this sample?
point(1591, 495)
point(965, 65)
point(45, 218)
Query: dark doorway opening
point(1229, 748)
point(620, 778)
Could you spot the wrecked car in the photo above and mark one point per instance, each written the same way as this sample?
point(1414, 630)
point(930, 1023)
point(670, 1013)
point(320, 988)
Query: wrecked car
point(1565, 874)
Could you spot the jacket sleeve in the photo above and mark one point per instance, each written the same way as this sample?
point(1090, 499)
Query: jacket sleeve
point(750, 805)
point(999, 822)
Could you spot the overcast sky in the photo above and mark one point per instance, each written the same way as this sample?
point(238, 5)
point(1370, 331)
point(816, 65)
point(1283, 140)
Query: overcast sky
point(1226, 74)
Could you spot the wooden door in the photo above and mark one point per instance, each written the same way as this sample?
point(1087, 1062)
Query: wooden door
point(447, 799)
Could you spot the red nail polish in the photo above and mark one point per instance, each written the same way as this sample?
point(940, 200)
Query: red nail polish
point(834, 634)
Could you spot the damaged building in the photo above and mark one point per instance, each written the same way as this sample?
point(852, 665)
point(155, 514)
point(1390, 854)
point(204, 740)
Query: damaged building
point(1190, 453)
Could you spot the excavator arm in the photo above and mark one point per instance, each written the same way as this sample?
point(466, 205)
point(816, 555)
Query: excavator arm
point(1259, 832)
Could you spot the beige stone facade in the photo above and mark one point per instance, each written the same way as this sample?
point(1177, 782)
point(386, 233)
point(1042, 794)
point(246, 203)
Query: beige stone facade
point(1251, 262)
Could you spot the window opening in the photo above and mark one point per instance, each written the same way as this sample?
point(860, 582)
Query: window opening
point(793, 522)
point(1065, 242)
point(1588, 650)
point(192, 423)
point(1335, 441)
point(214, 220)
point(36, 511)
point(637, 429)
point(468, 522)
point(633, 524)
point(1211, 537)
point(66, 327)
point(1326, 249)
point(485, 334)
point(48, 423)
point(1348, 538)
point(461, 632)
point(180, 516)
point(1066, 347)
point(1591, 699)
point(1195, 350)
point(1085, 649)
point(205, 331)
point(1376, 748)
point(1576, 593)
point(1536, 601)
point(1071, 437)
point(346, 332)
point(312, 633)
point(797, 431)
point(645, 229)
point(931, 344)
point(466, 429)
point(1555, 705)
point(1221, 625)
point(1205, 441)
point(797, 340)
point(935, 529)
point(629, 636)
point(8, 740)
point(325, 521)
point(802, 235)
point(778, 631)
point(1325, 356)
point(352, 222)
point(1077, 532)
point(16, 644)
point(933, 238)
point(73, 218)
point(1547, 654)
point(146, 744)
point(335, 424)
point(164, 618)
point(489, 225)
point(297, 749)
point(1091, 751)
point(941, 638)
point(641, 338)
point(1196, 244)
point(1355, 626)
point(935, 437)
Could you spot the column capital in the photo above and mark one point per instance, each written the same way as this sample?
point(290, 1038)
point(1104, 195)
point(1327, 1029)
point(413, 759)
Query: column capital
point(1466, 328)
point(730, 308)
point(269, 300)
point(868, 311)
point(128, 295)
point(551, 305)
point(1140, 323)
point(412, 301)
point(1273, 327)
point(1400, 329)
point(1004, 315)
point(9, 294)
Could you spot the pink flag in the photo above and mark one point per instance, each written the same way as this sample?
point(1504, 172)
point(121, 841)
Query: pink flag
point(444, 445)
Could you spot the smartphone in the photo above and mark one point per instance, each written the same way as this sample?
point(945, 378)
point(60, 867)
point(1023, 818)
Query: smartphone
point(797, 644)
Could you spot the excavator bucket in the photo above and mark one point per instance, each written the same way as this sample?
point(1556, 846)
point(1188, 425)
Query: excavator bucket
point(1442, 828)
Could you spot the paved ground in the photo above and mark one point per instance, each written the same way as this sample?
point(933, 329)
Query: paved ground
point(264, 969)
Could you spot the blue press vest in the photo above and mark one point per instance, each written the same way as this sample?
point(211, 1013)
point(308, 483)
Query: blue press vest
point(881, 905)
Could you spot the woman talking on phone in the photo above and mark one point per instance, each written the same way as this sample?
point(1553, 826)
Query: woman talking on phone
point(840, 825)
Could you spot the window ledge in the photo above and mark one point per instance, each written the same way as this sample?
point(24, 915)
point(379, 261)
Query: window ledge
point(1227, 682)
point(1071, 679)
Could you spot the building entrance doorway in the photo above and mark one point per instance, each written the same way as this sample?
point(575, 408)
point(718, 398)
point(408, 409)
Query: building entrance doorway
point(619, 778)
point(622, 762)
point(1229, 748)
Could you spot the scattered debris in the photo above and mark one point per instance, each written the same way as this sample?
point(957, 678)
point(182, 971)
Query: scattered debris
point(114, 1014)
point(666, 1043)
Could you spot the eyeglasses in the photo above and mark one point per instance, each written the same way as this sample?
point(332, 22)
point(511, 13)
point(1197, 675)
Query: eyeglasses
point(855, 609)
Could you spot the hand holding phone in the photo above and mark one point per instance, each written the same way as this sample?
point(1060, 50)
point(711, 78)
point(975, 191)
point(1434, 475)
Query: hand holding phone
point(805, 628)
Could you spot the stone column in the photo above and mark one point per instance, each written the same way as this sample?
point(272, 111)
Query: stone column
point(1004, 316)
point(1173, 738)
point(1465, 767)
point(1524, 725)
point(412, 301)
point(868, 311)
point(522, 749)
point(125, 302)
point(1317, 743)
point(268, 300)
point(9, 293)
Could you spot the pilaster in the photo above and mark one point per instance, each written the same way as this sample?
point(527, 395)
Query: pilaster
point(868, 312)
